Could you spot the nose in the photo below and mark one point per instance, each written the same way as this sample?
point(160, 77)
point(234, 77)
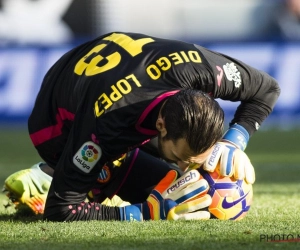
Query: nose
point(182, 165)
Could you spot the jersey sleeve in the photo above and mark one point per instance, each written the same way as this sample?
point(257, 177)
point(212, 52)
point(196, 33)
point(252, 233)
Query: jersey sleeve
point(236, 81)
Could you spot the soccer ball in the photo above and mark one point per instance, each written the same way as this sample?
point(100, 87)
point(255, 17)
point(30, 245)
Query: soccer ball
point(231, 199)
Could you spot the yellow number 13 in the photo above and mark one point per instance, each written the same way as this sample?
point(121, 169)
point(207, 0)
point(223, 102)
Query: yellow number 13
point(133, 47)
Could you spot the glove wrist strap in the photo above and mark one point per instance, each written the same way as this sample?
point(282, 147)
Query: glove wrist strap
point(136, 212)
point(237, 135)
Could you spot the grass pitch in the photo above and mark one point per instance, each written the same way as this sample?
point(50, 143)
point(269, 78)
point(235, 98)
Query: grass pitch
point(273, 221)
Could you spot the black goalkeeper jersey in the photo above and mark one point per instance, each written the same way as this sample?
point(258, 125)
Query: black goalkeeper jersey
point(100, 100)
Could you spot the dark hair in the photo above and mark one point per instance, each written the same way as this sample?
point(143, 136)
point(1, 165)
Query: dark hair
point(194, 116)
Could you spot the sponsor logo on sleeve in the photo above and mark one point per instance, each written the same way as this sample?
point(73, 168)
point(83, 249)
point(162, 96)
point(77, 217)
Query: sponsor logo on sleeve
point(233, 74)
point(87, 156)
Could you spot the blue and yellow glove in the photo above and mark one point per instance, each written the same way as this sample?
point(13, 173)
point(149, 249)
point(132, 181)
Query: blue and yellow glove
point(229, 152)
point(173, 199)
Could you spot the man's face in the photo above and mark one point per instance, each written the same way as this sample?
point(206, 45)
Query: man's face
point(180, 153)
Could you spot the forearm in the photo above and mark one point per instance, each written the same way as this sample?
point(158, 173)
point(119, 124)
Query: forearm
point(256, 90)
point(251, 113)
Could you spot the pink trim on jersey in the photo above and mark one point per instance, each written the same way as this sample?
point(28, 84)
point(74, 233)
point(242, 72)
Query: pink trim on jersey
point(53, 131)
point(128, 171)
point(147, 111)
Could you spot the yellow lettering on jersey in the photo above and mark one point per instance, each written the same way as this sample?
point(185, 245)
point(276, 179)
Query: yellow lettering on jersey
point(124, 86)
point(112, 61)
point(115, 94)
point(133, 47)
point(164, 63)
point(134, 79)
point(153, 71)
point(194, 56)
point(176, 58)
point(105, 101)
point(184, 55)
point(90, 68)
point(81, 64)
point(121, 88)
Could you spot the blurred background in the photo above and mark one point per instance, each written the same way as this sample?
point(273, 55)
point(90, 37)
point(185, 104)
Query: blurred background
point(262, 33)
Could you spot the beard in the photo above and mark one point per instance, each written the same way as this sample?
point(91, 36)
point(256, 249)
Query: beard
point(160, 147)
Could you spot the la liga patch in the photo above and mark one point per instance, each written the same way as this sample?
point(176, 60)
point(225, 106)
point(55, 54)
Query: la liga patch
point(87, 156)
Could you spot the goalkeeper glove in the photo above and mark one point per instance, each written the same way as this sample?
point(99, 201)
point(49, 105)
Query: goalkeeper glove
point(229, 154)
point(173, 199)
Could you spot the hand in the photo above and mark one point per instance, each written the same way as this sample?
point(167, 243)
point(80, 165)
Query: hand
point(173, 199)
point(190, 193)
point(228, 154)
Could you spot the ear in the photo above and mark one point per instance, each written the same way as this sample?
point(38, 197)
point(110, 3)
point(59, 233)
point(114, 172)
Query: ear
point(160, 126)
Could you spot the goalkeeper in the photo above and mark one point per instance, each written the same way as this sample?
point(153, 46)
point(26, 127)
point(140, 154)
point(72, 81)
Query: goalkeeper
point(102, 102)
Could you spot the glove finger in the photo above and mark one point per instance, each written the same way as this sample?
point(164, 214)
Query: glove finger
point(164, 184)
point(199, 215)
point(249, 172)
point(239, 162)
point(226, 162)
point(156, 209)
point(213, 159)
point(243, 168)
point(181, 183)
point(193, 205)
point(193, 190)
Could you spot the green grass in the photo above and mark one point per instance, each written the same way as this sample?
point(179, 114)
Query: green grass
point(274, 212)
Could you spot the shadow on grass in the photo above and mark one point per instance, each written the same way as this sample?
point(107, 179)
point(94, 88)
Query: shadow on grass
point(23, 214)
